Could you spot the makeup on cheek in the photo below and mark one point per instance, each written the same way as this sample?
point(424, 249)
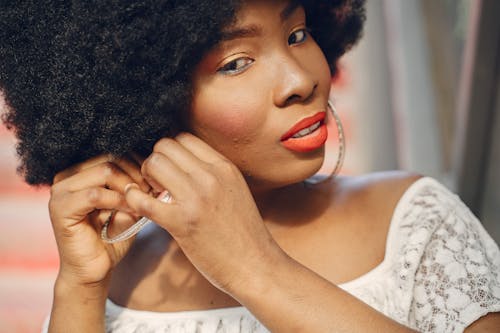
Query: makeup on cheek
point(236, 116)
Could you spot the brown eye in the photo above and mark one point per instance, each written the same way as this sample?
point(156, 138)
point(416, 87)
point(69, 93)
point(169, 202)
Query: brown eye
point(297, 37)
point(236, 66)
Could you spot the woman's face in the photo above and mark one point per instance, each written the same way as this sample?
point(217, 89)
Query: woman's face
point(263, 84)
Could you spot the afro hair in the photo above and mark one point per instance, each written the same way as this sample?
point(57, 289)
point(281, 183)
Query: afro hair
point(84, 78)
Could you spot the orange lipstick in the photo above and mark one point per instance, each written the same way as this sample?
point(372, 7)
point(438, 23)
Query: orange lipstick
point(308, 134)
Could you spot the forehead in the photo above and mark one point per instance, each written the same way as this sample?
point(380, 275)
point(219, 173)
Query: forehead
point(254, 11)
point(248, 9)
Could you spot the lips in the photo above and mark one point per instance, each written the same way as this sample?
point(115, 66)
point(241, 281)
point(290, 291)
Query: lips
point(308, 134)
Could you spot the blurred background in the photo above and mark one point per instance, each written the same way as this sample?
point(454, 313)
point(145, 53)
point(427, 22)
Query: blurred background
point(420, 92)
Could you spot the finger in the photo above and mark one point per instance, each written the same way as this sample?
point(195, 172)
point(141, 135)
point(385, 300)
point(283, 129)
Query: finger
point(132, 168)
point(79, 204)
point(104, 175)
point(159, 169)
point(199, 148)
point(180, 155)
point(99, 217)
point(167, 215)
point(116, 223)
point(66, 173)
point(129, 166)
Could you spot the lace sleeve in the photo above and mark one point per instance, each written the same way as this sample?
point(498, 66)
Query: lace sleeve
point(458, 279)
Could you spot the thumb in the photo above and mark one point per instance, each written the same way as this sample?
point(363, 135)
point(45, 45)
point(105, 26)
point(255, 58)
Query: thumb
point(162, 210)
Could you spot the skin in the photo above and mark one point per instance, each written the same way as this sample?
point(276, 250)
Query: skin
point(241, 225)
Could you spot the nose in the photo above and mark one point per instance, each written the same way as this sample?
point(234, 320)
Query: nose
point(294, 83)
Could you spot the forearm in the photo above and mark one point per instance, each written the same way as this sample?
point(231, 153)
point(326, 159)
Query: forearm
point(288, 297)
point(78, 308)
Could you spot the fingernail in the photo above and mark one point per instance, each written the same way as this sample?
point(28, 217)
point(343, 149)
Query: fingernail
point(164, 196)
point(130, 186)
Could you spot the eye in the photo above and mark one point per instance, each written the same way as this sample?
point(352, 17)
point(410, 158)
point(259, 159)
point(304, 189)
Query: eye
point(297, 37)
point(235, 66)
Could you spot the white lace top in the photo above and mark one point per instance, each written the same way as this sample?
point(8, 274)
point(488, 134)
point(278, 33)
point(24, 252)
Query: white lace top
point(441, 272)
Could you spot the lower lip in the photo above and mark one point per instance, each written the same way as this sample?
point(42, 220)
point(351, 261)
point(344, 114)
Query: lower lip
point(309, 142)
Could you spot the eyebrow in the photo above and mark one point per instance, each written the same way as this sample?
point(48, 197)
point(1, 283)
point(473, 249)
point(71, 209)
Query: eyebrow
point(289, 10)
point(247, 31)
point(254, 30)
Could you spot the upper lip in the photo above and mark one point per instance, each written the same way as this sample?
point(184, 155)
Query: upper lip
point(304, 123)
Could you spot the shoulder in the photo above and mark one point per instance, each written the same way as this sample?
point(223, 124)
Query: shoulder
point(359, 219)
point(392, 183)
point(375, 195)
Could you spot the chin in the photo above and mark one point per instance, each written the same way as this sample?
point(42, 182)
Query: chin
point(306, 166)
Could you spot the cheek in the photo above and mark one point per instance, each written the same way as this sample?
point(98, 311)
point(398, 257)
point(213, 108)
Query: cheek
point(227, 120)
point(214, 116)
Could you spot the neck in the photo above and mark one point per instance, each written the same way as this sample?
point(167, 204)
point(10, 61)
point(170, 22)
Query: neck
point(288, 205)
point(273, 200)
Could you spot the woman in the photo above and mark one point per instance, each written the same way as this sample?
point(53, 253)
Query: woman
point(223, 106)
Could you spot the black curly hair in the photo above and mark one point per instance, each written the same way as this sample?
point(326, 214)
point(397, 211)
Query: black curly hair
point(83, 78)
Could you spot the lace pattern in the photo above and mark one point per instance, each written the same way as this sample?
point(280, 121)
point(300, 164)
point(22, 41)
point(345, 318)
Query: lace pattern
point(441, 270)
point(237, 319)
point(458, 276)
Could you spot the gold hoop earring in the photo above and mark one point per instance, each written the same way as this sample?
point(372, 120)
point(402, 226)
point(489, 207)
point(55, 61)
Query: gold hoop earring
point(318, 178)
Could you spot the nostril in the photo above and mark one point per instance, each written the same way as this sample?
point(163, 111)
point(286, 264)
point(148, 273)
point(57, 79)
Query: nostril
point(292, 99)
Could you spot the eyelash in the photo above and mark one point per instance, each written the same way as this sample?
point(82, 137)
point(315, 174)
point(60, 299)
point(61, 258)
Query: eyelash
point(232, 68)
point(302, 31)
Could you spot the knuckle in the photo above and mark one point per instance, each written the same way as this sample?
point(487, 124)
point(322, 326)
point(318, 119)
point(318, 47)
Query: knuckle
point(163, 144)
point(210, 181)
point(109, 170)
point(226, 166)
point(184, 137)
point(190, 224)
point(52, 205)
point(150, 162)
point(58, 177)
point(93, 196)
point(55, 190)
point(57, 204)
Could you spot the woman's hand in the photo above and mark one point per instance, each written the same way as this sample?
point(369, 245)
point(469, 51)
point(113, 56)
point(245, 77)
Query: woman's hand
point(82, 198)
point(213, 216)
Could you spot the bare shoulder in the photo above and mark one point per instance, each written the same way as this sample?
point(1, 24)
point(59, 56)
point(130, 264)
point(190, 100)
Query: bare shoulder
point(383, 189)
point(377, 194)
point(370, 201)
point(395, 179)
point(357, 222)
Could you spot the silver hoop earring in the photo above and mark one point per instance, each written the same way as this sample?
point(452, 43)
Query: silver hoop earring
point(318, 178)
point(134, 228)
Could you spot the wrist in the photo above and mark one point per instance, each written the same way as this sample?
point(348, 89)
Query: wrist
point(260, 276)
point(66, 285)
point(84, 304)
